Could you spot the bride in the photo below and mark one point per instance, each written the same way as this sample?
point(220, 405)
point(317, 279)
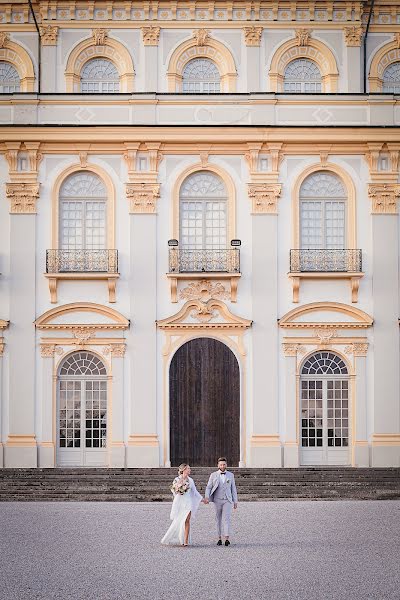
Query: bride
point(184, 508)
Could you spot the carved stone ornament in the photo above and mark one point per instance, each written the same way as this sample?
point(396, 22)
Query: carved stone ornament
point(252, 35)
point(48, 35)
point(397, 39)
point(325, 334)
point(23, 197)
point(2, 344)
point(4, 37)
point(204, 313)
point(302, 36)
point(83, 334)
point(142, 197)
point(49, 350)
point(353, 35)
point(264, 197)
point(204, 290)
point(357, 348)
point(384, 197)
point(100, 36)
point(292, 349)
point(150, 36)
point(201, 36)
point(118, 350)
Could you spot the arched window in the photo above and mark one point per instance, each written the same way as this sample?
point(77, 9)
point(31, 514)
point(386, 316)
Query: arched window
point(9, 78)
point(82, 410)
point(203, 212)
point(200, 75)
point(83, 205)
point(302, 76)
point(323, 199)
point(99, 75)
point(391, 78)
point(324, 410)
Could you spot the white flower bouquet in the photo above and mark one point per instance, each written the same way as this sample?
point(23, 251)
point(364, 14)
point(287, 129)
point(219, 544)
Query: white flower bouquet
point(180, 487)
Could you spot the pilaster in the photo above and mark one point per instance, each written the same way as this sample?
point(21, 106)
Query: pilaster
point(353, 38)
point(46, 446)
point(49, 35)
point(291, 458)
point(150, 37)
point(117, 450)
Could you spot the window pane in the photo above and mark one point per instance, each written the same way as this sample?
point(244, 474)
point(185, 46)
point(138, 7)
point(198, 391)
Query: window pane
point(200, 75)
point(99, 75)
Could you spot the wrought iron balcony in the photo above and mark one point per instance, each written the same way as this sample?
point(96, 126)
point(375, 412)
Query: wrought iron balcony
point(204, 261)
point(82, 261)
point(326, 261)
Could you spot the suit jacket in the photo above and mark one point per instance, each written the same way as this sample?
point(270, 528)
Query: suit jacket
point(215, 481)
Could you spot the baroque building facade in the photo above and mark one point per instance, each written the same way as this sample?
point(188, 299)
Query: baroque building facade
point(199, 246)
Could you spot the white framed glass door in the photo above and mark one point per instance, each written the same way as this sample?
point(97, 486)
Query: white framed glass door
point(324, 411)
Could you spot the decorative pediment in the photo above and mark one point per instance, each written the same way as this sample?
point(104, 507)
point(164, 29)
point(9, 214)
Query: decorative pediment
point(213, 314)
point(82, 318)
point(323, 316)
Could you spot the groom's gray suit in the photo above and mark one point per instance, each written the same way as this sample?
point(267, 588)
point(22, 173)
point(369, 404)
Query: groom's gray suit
point(223, 494)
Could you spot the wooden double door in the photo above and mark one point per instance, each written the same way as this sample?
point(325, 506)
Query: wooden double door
point(204, 393)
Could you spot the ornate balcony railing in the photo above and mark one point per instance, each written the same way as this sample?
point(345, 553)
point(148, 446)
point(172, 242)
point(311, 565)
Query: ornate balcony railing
point(204, 261)
point(326, 261)
point(82, 261)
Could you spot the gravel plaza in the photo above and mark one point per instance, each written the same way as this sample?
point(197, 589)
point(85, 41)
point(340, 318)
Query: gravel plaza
point(296, 550)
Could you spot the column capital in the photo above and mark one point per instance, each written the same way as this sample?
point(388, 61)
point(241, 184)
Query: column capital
point(384, 197)
point(142, 197)
point(23, 197)
point(48, 34)
point(264, 197)
point(49, 350)
point(353, 35)
point(151, 35)
point(357, 349)
point(252, 35)
point(294, 349)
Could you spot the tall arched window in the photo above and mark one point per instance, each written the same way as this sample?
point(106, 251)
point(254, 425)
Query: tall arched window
point(324, 409)
point(203, 212)
point(323, 199)
point(200, 75)
point(82, 410)
point(83, 205)
point(302, 76)
point(99, 75)
point(391, 78)
point(9, 78)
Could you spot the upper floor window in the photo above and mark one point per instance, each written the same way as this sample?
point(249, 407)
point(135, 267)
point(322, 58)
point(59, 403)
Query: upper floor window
point(391, 78)
point(83, 207)
point(303, 76)
point(200, 75)
point(99, 75)
point(323, 200)
point(203, 212)
point(9, 78)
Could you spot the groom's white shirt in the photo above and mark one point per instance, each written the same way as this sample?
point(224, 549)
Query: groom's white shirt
point(216, 479)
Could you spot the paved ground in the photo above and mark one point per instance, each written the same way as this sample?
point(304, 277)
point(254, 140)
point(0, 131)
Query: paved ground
point(282, 550)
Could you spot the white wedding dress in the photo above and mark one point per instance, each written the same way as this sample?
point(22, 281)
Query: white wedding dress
point(182, 505)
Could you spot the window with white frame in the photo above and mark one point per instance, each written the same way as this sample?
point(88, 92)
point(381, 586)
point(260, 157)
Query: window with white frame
point(99, 75)
point(9, 78)
point(302, 76)
point(83, 207)
point(323, 200)
point(391, 78)
point(200, 75)
point(203, 212)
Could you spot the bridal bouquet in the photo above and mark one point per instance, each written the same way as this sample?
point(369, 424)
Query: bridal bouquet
point(180, 487)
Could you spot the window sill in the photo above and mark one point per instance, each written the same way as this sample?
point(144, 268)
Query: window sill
point(54, 278)
point(353, 277)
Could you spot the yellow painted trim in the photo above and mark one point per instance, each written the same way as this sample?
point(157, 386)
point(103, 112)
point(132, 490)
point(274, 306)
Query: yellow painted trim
point(315, 51)
point(111, 49)
point(15, 440)
point(231, 199)
point(351, 235)
point(385, 56)
point(361, 317)
point(150, 439)
point(212, 49)
point(45, 320)
point(16, 55)
point(105, 177)
point(386, 439)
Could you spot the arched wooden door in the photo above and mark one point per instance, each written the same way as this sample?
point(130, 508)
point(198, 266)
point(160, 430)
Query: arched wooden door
point(204, 392)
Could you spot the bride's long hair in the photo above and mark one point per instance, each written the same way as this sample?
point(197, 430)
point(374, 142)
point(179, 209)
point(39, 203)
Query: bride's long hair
point(182, 467)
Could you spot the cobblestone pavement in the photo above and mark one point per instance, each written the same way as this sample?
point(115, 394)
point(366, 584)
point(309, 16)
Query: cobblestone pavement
point(281, 550)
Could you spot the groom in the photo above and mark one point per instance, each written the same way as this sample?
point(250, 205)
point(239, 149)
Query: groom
point(221, 489)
